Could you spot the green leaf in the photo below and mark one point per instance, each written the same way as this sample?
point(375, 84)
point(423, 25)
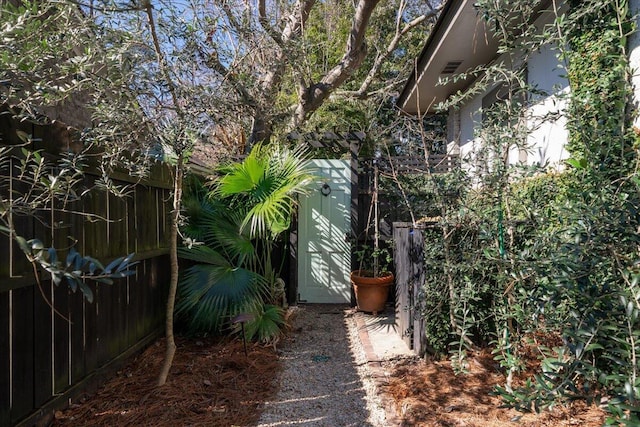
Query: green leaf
point(53, 255)
point(86, 291)
point(22, 243)
point(24, 137)
point(71, 257)
point(578, 164)
point(125, 264)
point(97, 265)
point(112, 265)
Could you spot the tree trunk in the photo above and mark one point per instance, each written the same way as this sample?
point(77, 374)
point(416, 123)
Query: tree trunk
point(173, 261)
point(260, 131)
point(313, 97)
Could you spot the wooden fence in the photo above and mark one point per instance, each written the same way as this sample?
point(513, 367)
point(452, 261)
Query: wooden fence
point(408, 259)
point(45, 359)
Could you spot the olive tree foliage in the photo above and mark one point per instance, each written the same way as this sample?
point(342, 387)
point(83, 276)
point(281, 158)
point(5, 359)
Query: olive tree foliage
point(111, 62)
point(39, 68)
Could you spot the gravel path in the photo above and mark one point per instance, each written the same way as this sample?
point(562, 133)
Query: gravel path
point(325, 380)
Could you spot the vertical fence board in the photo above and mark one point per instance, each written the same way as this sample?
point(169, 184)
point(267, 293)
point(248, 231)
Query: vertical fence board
point(91, 336)
point(119, 315)
point(5, 348)
point(76, 311)
point(133, 289)
point(104, 302)
point(23, 227)
point(403, 294)
point(416, 281)
point(61, 339)
point(4, 256)
point(154, 303)
point(146, 218)
point(95, 228)
point(77, 304)
point(141, 294)
point(42, 344)
point(162, 275)
point(164, 216)
point(23, 353)
point(117, 236)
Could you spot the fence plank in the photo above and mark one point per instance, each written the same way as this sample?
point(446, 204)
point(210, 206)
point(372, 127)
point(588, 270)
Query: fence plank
point(166, 205)
point(42, 345)
point(5, 354)
point(104, 302)
point(22, 353)
point(416, 281)
point(146, 219)
point(403, 292)
point(61, 337)
point(95, 228)
point(162, 275)
point(117, 226)
point(77, 317)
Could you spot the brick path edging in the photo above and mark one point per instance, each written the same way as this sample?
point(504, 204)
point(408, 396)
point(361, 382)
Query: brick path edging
point(378, 373)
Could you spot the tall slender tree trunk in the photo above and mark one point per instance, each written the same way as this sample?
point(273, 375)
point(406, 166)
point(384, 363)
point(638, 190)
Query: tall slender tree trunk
point(173, 261)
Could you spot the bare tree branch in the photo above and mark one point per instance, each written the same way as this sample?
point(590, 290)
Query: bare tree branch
point(264, 21)
point(271, 81)
point(393, 44)
point(356, 49)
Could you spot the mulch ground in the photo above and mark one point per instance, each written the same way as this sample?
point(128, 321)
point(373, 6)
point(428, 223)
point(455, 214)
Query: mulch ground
point(211, 383)
point(430, 394)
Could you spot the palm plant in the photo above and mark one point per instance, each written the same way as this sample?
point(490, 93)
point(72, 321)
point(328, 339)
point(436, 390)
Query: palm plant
point(238, 222)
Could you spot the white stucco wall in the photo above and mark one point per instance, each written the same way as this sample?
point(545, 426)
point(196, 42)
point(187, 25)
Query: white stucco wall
point(548, 134)
point(470, 122)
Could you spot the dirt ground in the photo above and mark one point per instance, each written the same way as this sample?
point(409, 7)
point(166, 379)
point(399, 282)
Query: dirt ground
point(430, 394)
point(211, 383)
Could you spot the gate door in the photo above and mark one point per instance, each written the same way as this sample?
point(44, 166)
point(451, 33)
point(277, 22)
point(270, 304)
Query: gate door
point(324, 224)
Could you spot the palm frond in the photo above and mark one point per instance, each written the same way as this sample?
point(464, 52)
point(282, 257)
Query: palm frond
point(266, 325)
point(212, 294)
point(203, 254)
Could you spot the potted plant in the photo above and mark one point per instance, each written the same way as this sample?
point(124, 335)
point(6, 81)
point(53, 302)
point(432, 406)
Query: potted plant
point(372, 280)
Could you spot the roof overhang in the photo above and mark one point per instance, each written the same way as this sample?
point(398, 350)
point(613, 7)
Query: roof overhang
point(460, 41)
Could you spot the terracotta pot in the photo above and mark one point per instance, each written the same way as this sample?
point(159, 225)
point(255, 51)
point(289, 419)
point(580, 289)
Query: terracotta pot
point(371, 292)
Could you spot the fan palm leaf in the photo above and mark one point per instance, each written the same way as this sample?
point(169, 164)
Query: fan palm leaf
point(267, 180)
point(213, 294)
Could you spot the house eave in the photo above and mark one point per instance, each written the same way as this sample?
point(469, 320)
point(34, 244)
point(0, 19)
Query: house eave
point(460, 34)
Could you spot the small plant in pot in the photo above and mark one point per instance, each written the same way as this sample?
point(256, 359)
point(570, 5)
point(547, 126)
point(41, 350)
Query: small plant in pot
point(372, 280)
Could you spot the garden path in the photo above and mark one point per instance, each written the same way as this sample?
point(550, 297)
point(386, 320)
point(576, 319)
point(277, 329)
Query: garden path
point(332, 370)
